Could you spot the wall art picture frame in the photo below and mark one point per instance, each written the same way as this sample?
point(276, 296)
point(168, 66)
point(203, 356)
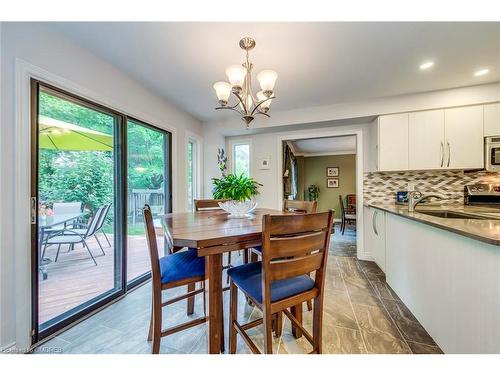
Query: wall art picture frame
point(332, 182)
point(265, 163)
point(332, 171)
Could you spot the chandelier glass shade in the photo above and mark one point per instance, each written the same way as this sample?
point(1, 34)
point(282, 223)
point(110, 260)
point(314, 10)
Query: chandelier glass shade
point(240, 85)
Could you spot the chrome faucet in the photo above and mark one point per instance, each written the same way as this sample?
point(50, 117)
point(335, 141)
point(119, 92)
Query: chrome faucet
point(416, 197)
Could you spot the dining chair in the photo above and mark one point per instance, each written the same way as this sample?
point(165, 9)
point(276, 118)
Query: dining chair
point(213, 204)
point(345, 217)
point(290, 205)
point(293, 247)
point(71, 237)
point(182, 268)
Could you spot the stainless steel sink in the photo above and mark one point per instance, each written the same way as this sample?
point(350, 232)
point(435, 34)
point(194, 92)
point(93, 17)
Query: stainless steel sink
point(446, 214)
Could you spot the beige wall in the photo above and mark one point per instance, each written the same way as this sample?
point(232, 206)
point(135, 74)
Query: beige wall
point(315, 173)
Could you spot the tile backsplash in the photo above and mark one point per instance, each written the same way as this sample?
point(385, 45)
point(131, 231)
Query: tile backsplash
point(381, 187)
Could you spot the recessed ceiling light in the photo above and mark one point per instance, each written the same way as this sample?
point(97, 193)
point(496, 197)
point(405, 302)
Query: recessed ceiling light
point(481, 72)
point(426, 65)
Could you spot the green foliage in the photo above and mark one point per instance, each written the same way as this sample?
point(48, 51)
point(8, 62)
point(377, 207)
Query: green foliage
point(313, 192)
point(235, 187)
point(81, 176)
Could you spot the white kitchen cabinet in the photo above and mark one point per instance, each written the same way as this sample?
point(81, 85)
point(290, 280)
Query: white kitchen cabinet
point(426, 140)
point(393, 142)
point(464, 137)
point(374, 234)
point(492, 120)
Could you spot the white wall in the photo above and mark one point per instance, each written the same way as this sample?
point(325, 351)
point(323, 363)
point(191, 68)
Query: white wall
point(52, 52)
point(212, 140)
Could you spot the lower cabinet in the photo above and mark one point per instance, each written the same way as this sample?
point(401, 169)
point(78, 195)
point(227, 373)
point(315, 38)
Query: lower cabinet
point(451, 284)
point(374, 224)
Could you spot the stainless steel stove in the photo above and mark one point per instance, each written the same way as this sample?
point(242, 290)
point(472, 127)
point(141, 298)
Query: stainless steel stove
point(482, 195)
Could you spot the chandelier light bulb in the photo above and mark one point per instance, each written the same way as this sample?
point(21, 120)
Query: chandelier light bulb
point(236, 75)
point(265, 105)
point(267, 80)
point(223, 90)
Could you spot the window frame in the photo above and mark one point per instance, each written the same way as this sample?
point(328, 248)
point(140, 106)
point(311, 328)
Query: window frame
point(238, 142)
point(197, 141)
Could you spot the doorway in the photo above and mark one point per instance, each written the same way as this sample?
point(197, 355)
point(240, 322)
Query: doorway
point(93, 169)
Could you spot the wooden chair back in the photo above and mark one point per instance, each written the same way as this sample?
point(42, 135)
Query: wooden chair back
point(341, 205)
point(208, 204)
point(152, 247)
point(306, 207)
point(295, 245)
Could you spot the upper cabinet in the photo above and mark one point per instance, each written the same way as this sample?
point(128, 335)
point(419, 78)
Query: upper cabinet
point(393, 142)
point(437, 139)
point(464, 137)
point(492, 120)
point(426, 140)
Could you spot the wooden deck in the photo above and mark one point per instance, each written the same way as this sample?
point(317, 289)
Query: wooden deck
point(74, 279)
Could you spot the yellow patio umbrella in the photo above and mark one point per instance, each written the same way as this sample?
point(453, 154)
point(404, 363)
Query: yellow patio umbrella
point(59, 135)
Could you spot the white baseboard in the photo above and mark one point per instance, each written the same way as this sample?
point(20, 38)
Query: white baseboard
point(366, 257)
point(9, 348)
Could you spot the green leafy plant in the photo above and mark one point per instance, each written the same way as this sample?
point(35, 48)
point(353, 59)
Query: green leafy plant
point(234, 187)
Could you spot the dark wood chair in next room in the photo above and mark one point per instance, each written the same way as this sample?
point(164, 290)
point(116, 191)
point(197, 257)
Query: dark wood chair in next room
point(171, 271)
point(293, 247)
point(345, 217)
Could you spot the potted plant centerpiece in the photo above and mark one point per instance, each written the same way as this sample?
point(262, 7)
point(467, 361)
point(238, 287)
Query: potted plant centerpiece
point(239, 190)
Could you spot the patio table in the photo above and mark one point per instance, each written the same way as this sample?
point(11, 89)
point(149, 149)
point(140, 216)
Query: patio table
point(212, 233)
point(47, 222)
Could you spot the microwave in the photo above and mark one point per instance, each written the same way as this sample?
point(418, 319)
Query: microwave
point(492, 154)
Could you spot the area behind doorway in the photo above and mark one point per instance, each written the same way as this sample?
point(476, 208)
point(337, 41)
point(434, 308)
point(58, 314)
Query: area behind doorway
point(324, 169)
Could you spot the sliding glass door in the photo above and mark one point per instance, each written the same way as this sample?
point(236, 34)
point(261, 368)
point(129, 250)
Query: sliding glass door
point(148, 183)
point(93, 169)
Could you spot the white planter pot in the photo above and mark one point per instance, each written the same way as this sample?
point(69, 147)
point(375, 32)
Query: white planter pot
point(237, 209)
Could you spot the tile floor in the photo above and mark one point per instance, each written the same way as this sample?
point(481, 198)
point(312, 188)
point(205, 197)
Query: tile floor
point(362, 315)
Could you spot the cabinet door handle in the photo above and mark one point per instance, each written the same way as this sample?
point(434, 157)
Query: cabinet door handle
point(449, 154)
point(374, 224)
point(442, 153)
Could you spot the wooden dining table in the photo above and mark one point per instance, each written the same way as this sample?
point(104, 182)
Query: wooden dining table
point(213, 233)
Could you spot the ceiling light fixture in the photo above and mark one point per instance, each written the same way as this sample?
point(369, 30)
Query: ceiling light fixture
point(240, 84)
point(426, 65)
point(481, 72)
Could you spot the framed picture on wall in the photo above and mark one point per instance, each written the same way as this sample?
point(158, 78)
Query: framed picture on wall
point(332, 182)
point(332, 171)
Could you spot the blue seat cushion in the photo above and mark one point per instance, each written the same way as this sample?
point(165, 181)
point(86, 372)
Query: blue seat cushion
point(248, 277)
point(181, 265)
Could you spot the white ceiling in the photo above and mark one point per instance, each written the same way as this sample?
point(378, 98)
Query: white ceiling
point(317, 63)
point(329, 145)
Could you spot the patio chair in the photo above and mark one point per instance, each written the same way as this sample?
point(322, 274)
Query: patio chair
point(99, 226)
point(64, 208)
point(71, 237)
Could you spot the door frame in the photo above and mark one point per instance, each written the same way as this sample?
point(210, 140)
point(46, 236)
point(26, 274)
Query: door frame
point(358, 132)
point(24, 72)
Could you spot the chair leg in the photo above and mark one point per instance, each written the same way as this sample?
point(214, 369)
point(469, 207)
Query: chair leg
point(228, 266)
point(309, 305)
point(156, 327)
point(190, 300)
point(245, 256)
point(106, 237)
point(233, 314)
point(343, 227)
point(150, 332)
point(99, 243)
point(268, 332)
point(278, 324)
point(88, 249)
point(57, 254)
point(317, 325)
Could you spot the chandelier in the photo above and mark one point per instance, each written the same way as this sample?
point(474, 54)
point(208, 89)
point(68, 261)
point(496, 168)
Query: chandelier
point(240, 84)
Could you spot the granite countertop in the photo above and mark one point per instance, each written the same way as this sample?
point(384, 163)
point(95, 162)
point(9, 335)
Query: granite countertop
point(485, 230)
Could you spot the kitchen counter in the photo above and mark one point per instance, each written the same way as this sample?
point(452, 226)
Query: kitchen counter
point(485, 230)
